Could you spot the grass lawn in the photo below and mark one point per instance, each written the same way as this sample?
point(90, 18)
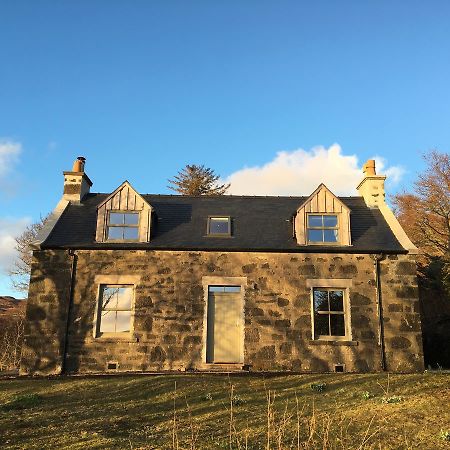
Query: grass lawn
point(343, 411)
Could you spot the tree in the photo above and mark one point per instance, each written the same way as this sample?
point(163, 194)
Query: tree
point(20, 270)
point(197, 180)
point(425, 213)
point(425, 216)
point(12, 318)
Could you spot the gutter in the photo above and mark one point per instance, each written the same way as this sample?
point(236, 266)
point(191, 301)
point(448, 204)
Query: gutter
point(376, 263)
point(73, 270)
point(331, 250)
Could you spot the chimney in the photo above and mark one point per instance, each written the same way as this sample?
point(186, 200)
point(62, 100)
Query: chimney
point(371, 187)
point(76, 182)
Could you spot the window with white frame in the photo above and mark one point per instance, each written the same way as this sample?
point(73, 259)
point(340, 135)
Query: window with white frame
point(114, 310)
point(322, 228)
point(330, 314)
point(123, 226)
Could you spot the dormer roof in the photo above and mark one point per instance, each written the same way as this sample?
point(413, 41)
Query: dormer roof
point(127, 193)
point(323, 200)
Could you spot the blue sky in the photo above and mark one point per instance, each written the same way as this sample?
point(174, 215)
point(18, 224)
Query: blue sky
point(142, 88)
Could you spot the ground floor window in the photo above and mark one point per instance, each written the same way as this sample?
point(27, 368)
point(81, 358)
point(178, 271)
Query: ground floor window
point(330, 317)
point(114, 309)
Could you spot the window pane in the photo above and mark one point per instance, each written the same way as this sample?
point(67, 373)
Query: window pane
point(321, 326)
point(108, 322)
point(130, 233)
point(337, 325)
point(123, 321)
point(336, 301)
point(232, 289)
point(115, 233)
point(124, 298)
point(131, 218)
point(315, 236)
point(330, 221)
point(314, 220)
point(116, 218)
point(219, 225)
point(109, 297)
point(330, 235)
point(320, 300)
point(216, 288)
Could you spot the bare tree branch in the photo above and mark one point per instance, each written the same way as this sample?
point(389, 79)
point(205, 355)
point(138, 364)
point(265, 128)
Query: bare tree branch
point(425, 212)
point(20, 270)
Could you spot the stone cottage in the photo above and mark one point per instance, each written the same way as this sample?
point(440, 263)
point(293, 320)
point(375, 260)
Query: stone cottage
point(134, 282)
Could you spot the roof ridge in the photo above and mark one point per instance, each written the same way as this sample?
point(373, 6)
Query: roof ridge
point(225, 196)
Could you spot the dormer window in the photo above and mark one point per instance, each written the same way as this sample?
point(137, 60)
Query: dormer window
point(322, 219)
point(219, 226)
point(323, 228)
point(124, 216)
point(123, 226)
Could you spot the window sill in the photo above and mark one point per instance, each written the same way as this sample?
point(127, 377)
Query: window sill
point(331, 342)
point(126, 339)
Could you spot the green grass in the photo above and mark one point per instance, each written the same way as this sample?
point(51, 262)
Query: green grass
point(137, 412)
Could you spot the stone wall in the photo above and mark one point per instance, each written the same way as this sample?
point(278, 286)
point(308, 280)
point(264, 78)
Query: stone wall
point(170, 308)
point(46, 316)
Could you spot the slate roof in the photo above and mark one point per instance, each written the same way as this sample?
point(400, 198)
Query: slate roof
point(258, 224)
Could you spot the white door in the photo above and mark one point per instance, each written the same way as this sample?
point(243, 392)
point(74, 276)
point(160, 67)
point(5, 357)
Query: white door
point(224, 325)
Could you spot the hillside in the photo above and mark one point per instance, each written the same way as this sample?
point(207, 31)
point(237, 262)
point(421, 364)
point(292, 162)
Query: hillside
point(335, 411)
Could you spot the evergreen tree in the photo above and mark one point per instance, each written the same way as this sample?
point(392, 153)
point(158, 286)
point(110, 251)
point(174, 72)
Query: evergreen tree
point(197, 180)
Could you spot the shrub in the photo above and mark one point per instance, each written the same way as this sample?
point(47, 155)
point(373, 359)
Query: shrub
point(392, 399)
point(237, 400)
point(366, 395)
point(445, 435)
point(318, 387)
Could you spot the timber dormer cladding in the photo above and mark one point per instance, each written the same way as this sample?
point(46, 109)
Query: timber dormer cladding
point(322, 212)
point(124, 216)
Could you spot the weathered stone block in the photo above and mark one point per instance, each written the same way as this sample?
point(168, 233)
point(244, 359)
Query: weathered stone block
point(249, 268)
point(192, 340)
point(252, 335)
point(348, 269)
point(395, 307)
point(399, 342)
point(406, 268)
point(158, 354)
point(257, 312)
point(282, 323)
point(267, 352)
point(407, 292)
point(307, 269)
point(286, 348)
point(358, 299)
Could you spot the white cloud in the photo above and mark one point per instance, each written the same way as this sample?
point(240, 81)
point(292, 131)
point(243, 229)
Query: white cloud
point(9, 229)
point(299, 172)
point(394, 174)
point(9, 155)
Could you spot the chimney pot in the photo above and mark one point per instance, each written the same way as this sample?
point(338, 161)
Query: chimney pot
point(369, 167)
point(78, 165)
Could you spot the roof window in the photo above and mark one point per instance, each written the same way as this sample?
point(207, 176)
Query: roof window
point(219, 226)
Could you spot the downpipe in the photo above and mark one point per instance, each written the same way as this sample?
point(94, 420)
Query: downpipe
point(376, 263)
point(73, 270)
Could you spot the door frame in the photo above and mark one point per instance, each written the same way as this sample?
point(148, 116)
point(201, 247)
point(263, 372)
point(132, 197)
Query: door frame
point(223, 281)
